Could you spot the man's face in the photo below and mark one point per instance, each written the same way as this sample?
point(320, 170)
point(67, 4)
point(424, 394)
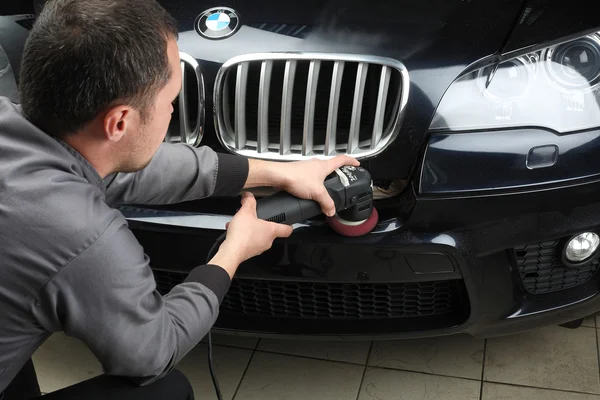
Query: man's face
point(148, 136)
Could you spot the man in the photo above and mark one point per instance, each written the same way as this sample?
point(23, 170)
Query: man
point(98, 79)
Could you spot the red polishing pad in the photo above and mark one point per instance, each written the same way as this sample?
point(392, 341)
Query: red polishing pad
point(344, 229)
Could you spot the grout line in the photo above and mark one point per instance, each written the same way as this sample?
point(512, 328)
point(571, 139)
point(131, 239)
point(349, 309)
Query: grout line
point(244, 373)
point(482, 370)
point(362, 379)
point(372, 366)
point(425, 373)
point(256, 348)
point(229, 346)
point(312, 358)
point(588, 327)
point(597, 349)
point(543, 388)
point(233, 346)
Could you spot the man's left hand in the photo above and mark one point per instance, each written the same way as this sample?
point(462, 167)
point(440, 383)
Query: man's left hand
point(304, 179)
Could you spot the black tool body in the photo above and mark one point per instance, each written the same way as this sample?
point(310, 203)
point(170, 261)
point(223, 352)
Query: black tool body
point(349, 187)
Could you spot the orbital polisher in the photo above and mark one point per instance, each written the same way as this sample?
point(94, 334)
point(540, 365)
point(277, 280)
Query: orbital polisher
point(351, 189)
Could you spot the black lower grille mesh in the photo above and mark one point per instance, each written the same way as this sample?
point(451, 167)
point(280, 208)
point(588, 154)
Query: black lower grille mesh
point(333, 300)
point(542, 270)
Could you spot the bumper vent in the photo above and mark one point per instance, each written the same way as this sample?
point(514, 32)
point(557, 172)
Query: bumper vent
point(316, 300)
point(542, 270)
point(287, 106)
point(187, 121)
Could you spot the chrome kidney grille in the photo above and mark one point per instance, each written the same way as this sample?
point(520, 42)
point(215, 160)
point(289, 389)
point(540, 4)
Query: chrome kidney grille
point(187, 121)
point(288, 106)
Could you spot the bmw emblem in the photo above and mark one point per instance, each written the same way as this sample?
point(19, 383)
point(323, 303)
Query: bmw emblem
point(217, 23)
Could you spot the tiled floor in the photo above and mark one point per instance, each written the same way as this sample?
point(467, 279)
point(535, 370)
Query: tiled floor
point(549, 363)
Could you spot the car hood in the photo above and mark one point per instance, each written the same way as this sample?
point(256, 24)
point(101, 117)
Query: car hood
point(435, 40)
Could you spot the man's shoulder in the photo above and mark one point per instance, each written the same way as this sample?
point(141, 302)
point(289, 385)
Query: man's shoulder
point(53, 211)
point(47, 220)
point(42, 184)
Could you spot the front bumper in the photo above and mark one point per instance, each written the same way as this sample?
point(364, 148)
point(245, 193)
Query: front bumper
point(414, 278)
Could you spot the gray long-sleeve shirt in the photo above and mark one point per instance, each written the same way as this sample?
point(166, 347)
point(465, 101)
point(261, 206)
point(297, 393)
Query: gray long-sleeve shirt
point(68, 261)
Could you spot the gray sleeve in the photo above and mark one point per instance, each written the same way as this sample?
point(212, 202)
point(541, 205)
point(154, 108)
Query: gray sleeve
point(106, 297)
point(178, 173)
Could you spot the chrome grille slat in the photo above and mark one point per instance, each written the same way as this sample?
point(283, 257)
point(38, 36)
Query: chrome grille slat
point(183, 114)
point(380, 108)
point(286, 107)
point(190, 100)
point(294, 106)
point(266, 70)
point(359, 91)
point(240, 105)
point(226, 111)
point(309, 112)
point(334, 102)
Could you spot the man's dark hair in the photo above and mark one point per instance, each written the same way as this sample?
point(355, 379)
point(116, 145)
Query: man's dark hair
point(84, 56)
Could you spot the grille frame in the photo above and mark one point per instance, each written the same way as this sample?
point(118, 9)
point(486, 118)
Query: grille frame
point(186, 134)
point(547, 272)
point(237, 145)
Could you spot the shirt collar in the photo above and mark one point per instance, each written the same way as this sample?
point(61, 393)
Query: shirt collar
point(89, 172)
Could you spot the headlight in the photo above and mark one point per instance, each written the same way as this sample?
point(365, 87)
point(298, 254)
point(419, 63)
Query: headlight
point(557, 87)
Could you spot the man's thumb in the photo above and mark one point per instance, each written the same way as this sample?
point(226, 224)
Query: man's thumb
point(282, 230)
point(248, 201)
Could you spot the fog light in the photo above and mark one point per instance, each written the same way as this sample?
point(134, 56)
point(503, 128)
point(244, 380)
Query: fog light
point(582, 247)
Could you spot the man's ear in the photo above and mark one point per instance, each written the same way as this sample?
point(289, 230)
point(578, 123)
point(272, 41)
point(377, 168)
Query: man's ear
point(117, 121)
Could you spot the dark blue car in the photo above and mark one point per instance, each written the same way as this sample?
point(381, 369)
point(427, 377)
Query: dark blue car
point(479, 122)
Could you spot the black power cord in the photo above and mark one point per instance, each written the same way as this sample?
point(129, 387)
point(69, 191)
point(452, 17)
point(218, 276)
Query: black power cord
point(211, 253)
point(212, 368)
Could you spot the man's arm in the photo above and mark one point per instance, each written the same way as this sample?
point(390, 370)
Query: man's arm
point(303, 179)
point(179, 173)
point(106, 297)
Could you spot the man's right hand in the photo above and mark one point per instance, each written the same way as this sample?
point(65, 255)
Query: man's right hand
point(247, 236)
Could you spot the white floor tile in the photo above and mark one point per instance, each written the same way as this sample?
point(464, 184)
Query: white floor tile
point(64, 361)
point(552, 357)
point(282, 377)
point(493, 391)
point(458, 355)
point(384, 384)
point(589, 322)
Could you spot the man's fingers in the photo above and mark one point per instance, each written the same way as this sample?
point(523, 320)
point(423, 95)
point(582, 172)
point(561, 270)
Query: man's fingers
point(341, 160)
point(326, 202)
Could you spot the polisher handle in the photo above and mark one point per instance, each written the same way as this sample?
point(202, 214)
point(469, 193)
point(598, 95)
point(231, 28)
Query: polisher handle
point(284, 208)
